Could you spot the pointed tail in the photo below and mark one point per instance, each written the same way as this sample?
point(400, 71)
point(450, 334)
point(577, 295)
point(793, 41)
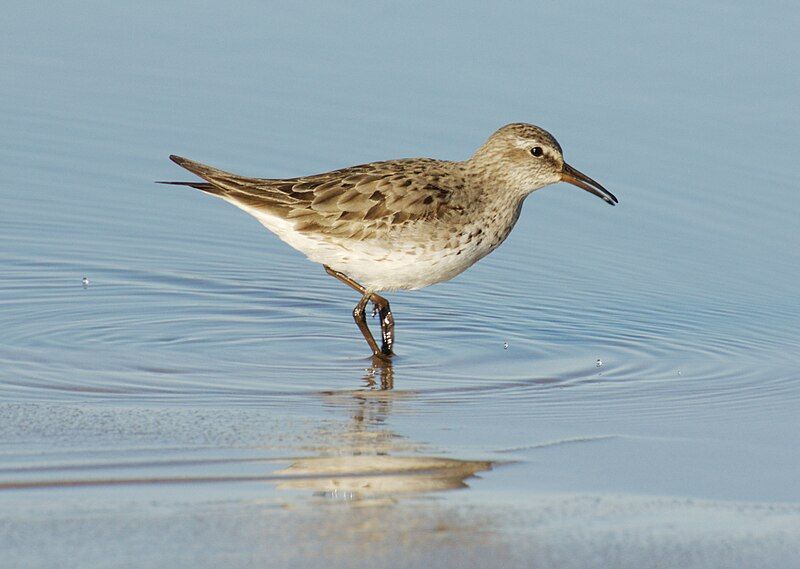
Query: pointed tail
point(201, 170)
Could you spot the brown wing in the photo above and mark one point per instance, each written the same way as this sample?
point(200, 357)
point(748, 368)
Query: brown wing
point(360, 200)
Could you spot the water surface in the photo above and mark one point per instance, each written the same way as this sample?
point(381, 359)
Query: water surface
point(614, 384)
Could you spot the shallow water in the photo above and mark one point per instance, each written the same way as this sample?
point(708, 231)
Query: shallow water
point(613, 385)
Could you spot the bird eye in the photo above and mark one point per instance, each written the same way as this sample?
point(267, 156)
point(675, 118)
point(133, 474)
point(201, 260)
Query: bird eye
point(537, 151)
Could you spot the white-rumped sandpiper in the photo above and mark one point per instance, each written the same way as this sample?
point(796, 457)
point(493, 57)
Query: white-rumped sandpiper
point(402, 224)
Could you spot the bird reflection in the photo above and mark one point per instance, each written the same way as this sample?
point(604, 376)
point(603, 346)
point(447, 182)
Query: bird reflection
point(365, 460)
point(380, 375)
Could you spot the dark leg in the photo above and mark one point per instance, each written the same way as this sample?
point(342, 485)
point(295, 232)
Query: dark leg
point(359, 315)
point(345, 279)
point(387, 323)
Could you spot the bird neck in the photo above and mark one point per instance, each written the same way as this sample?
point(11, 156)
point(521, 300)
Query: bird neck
point(495, 186)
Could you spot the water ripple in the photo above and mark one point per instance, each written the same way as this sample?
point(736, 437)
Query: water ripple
point(266, 329)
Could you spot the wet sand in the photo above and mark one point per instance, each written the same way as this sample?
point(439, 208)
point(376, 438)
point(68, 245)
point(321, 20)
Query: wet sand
point(347, 494)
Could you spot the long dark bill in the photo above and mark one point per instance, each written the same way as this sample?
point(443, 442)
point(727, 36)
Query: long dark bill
point(576, 178)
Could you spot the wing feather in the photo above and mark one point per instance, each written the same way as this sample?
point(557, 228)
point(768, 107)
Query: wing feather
point(363, 200)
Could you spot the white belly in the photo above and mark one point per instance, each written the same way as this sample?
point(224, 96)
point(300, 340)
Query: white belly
point(399, 263)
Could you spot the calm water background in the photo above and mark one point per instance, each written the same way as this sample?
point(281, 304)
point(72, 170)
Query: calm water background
point(184, 408)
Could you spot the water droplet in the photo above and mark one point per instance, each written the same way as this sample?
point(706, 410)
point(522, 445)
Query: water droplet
point(505, 345)
point(599, 362)
point(85, 281)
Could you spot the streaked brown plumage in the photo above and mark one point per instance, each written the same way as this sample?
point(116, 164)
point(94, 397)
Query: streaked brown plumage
point(362, 201)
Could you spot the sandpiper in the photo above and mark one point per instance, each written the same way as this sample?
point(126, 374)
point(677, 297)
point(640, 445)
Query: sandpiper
point(402, 224)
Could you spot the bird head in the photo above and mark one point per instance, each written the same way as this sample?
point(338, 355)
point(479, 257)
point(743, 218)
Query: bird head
point(525, 158)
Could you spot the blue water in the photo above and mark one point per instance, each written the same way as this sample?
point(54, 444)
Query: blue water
point(644, 357)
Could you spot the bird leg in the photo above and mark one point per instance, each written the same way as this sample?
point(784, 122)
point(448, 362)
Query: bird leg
point(387, 323)
point(359, 315)
point(345, 279)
